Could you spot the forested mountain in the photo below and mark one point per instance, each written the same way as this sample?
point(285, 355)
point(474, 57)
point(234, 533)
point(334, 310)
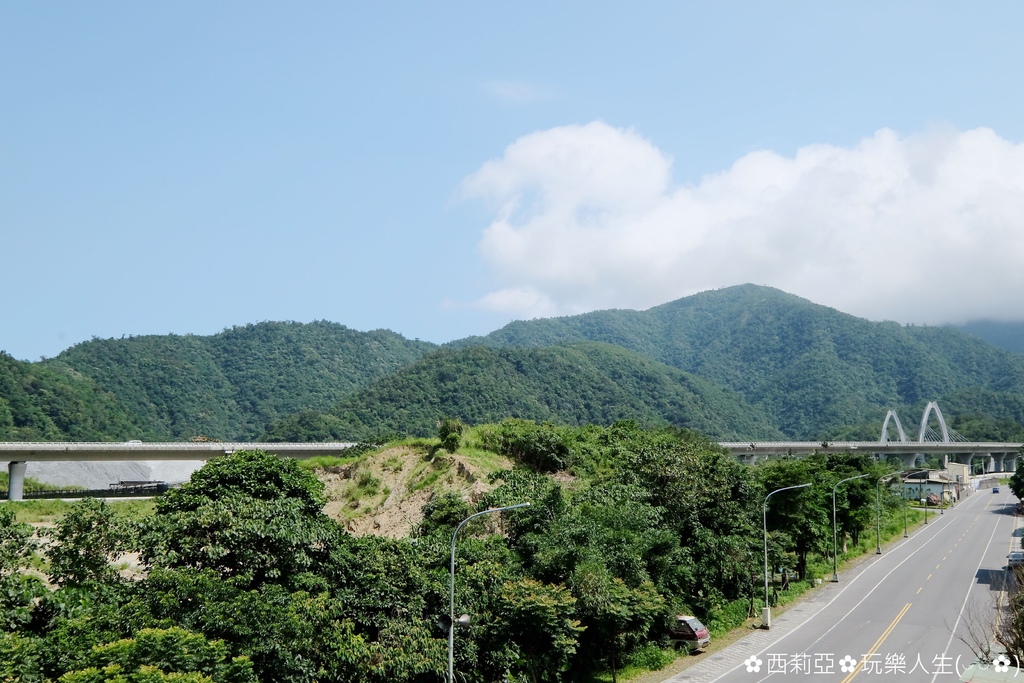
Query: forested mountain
point(810, 368)
point(232, 384)
point(585, 382)
point(38, 403)
point(1005, 335)
point(742, 362)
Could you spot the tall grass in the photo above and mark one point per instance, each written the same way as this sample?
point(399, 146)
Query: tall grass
point(33, 484)
point(50, 511)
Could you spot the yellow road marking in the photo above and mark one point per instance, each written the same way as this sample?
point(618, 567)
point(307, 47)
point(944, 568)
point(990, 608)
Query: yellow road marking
point(929, 578)
point(920, 589)
point(878, 644)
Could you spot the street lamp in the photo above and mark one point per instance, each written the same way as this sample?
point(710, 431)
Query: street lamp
point(906, 503)
point(878, 512)
point(766, 613)
point(835, 530)
point(920, 492)
point(451, 614)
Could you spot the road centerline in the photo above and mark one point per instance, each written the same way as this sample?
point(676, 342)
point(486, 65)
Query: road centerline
point(878, 643)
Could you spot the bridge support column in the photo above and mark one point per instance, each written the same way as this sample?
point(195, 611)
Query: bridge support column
point(16, 480)
point(909, 460)
point(1010, 461)
point(750, 459)
point(990, 464)
point(999, 457)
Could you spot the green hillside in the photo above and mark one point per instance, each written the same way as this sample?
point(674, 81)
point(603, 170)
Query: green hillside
point(39, 403)
point(581, 383)
point(810, 368)
point(742, 362)
point(232, 384)
point(1005, 335)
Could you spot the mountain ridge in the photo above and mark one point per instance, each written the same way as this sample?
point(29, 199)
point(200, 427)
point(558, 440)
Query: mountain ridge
point(585, 382)
point(810, 370)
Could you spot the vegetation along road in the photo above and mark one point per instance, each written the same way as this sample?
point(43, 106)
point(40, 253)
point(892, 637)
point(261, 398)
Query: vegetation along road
point(917, 612)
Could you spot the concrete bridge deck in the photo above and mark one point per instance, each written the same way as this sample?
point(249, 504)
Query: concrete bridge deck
point(998, 457)
point(20, 454)
point(777, 448)
point(141, 450)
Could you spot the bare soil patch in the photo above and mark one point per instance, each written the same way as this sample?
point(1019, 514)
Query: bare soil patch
point(383, 494)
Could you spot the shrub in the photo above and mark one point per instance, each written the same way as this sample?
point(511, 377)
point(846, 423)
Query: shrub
point(449, 430)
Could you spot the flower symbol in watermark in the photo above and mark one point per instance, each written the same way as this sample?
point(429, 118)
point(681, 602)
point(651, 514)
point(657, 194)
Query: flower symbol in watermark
point(753, 664)
point(1001, 664)
point(847, 664)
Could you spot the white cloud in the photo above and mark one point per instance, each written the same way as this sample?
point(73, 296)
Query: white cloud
point(927, 229)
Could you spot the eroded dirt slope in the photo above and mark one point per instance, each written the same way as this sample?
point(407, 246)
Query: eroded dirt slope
point(384, 493)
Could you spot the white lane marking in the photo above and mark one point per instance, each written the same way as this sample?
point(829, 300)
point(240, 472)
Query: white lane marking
point(960, 615)
point(829, 603)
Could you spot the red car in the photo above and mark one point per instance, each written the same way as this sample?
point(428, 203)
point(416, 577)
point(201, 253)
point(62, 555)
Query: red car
point(688, 632)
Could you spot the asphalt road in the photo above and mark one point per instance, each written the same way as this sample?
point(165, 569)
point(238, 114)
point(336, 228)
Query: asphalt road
point(896, 616)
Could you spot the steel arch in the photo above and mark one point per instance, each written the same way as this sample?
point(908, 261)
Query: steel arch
point(891, 415)
point(932, 406)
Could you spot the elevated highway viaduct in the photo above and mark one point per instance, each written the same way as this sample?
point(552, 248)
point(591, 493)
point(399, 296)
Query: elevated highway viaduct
point(18, 455)
point(997, 457)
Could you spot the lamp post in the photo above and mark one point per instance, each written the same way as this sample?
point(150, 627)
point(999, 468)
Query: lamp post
point(920, 492)
point(451, 614)
point(766, 613)
point(835, 530)
point(906, 503)
point(878, 512)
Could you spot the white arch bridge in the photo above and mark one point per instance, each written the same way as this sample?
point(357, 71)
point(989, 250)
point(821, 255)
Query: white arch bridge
point(945, 441)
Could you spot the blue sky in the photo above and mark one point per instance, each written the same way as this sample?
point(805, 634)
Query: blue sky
point(440, 169)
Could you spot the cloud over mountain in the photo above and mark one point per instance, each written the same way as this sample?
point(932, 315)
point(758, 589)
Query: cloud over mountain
point(927, 228)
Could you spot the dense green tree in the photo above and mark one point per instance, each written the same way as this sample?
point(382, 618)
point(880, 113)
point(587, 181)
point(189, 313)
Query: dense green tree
point(616, 617)
point(71, 620)
point(443, 512)
point(802, 514)
point(19, 658)
point(173, 654)
point(449, 430)
point(270, 625)
point(538, 619)
point(541, 447)
point(85, 542)
point(15, 542)
point(1017, 480)
point(18, 592)
point(255, 474)
point(251, 517)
